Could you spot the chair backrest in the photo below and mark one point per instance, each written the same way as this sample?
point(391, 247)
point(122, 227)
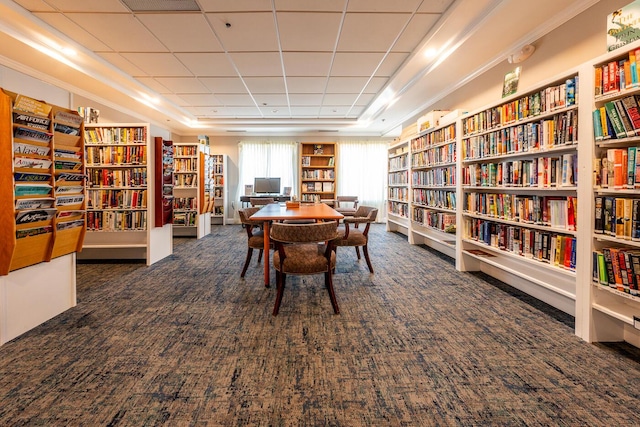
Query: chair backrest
point(246, 213)
point(368, 212)
point(346, 199)
point(304, 233)
point(261, 201)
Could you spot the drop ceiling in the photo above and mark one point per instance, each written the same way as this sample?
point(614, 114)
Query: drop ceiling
point(347, 67)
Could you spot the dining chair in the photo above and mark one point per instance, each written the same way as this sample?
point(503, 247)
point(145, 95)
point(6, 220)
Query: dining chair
point(353, 235)
point(261, 201)
point(346, 205)
point(255, 235)
point(304, 249)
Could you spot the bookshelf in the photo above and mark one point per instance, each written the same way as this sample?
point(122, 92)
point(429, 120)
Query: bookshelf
point(612, 297)
point(43, 211)
point(121, 194)
point(190, 217)
point(218, 188)
point(519, 169)
point(318, 171)
point(432, 206)
point(398, 188)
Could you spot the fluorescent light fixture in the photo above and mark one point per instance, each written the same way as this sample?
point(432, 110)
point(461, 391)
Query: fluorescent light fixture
point(162, 5)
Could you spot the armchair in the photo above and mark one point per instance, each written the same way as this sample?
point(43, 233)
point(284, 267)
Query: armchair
point(355, 236)
point(255, 235)
point(346, 205)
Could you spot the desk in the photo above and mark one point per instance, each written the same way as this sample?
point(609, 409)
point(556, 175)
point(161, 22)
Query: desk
point(277, 198)
point(276, 212)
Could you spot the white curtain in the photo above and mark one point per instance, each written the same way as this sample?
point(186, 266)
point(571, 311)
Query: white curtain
point(362, 172)
point(267, 159)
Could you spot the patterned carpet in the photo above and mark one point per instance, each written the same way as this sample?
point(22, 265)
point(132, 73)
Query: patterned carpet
point(186, 342)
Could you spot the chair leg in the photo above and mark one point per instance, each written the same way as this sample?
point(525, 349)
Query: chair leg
point(358, 251)
point(260, 255)
point(328, 281)
point(280, 280)
point(246, 262)
point(366, 257)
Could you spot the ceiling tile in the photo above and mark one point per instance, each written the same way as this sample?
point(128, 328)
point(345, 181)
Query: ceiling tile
point(232, 111)
point(305, 32)
point(35, 5)
point(415, 32)
point(376, 84)
point(342, 99)
point(153, 84)
point(182, 32)
point(275, 111)
point(158, 64)
point(346, 84)
point(175, 99)
point(307, 63)
point(122, 63)
point(311, 5)
point(334, 111)
point(270, 99)
point(122, 33)
point(183, 84)
point(357, 34)
point(265, 84)
point(355, 63)
point(248, 32)
point(207, 64)
point(391, 64)
point(73, 31)
point(258, 64)
point(306, 84)
point(224, 84)
point(234, 100)
point(201, 100)
point(305, 99)
point(88, 5)
point(235, 5)
point(383, 5)
point(364, 99)
point(305, 111)
point(435, 6)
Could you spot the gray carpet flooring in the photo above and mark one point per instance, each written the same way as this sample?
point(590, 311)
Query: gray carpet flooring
point(186, 342)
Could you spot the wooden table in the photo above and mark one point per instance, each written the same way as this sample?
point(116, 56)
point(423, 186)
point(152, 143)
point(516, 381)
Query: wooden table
point(277, 212)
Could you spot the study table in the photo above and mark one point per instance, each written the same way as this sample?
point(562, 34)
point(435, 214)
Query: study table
point(279, 212)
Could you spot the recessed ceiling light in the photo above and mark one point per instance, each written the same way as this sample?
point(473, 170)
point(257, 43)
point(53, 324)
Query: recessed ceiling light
point(274, 111)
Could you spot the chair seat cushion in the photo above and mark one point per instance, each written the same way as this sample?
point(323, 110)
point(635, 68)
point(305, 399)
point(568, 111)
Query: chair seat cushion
point(347, 211)
point(304, 259)
point(356, 238)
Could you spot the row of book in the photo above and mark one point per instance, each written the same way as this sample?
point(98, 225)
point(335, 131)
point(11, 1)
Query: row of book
point(618, 217)
point(617, 268)
point(546, 100)
point(434, 156)
point(560, 130)
point(445, 176)
point(127, 220)
point(619, 118)
point(117, 155)
point(398, 193)
point(115, 135)
point(556, 212)
point(435, 198)
point(116, 199)
point(185, 203)
point(548, 247)
point(186, 179)
point(318, 174)
point(330, 161)
point(440, 136)
point(398, 208)
point(398, 163)
point(618, 169)
point(617, 75)
point(185, 219)
point(130, 177)
point(398, 178)
point(185, 150)
point(542, 172)
point(185, 165)
point(442, 221)
point(318, 187)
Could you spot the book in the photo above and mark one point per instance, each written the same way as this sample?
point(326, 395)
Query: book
point(597, 125)
point(630, 104)
point(631, 167)
point(624, 118)
point(616, 120)
point(598, 216)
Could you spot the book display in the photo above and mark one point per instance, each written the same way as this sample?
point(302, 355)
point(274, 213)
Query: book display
point(615, 249)
point(398, 188)
point(519, 190)
point(43, 216)
point(318, 172)
point(189, 203)
point(121, 194)
point(433, 188)
point(43, 182)
point(219, 189)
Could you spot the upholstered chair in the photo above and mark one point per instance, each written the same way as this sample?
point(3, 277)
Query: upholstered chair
point(304, 249)
point(353, 234)
point(346, 205)
point(261, 201)
point(255, 235)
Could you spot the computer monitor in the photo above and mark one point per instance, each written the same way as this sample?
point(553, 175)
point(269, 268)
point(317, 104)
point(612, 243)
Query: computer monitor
point(266, 185)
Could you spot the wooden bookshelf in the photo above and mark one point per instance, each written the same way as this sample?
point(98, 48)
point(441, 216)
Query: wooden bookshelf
point(218, 186)
point(318, 172)
point(41, 183)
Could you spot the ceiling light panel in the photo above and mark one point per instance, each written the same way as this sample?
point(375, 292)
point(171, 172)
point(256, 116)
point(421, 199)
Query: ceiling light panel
point(162, 5)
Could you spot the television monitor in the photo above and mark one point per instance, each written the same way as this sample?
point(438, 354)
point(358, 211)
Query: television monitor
point(266, 185)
